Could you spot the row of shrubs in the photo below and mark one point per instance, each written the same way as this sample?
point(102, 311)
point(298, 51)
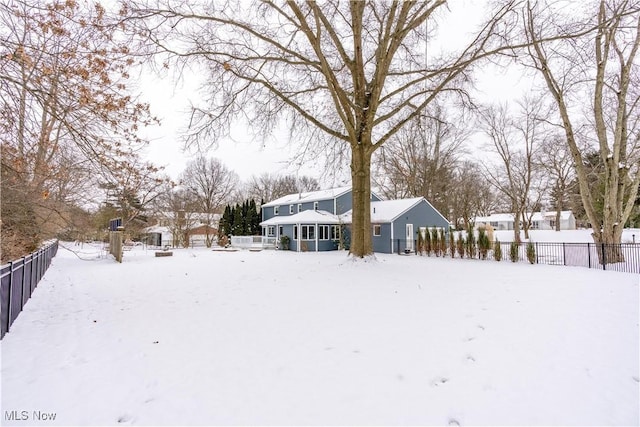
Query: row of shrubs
point(436, 242)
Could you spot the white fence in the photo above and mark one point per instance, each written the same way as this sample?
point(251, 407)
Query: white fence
point(253, 242)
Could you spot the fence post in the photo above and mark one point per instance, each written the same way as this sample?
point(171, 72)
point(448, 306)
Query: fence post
point(604, 257)
point(24, 268)
point(564, 253)
point(32, 277)
point(9, 322)
point(537, 254)
point(589, 253)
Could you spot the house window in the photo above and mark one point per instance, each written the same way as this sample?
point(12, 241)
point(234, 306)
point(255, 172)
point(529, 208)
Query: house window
point(271, 231)
point(335, 232)
point(315, 206)
point(377, 230)
point(299, 207)
point(290, 209)
point(535, 225)
point(280, 231)
point(494, 224)
point(276, 210)
point(308, 232)
point(323, 232)
point(552, 223)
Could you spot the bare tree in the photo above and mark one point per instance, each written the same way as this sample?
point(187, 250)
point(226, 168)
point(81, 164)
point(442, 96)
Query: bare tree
point(344, 74)
point(212, 185)
point(471, 195)
point(268, 187)
point(556, 161)
point(177, 208)
point(600, 61)
point(421, 159)
point(515, 139)
point(64, 110)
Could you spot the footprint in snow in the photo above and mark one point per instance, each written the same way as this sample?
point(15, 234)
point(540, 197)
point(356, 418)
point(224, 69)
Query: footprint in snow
point(453, 422)
point(440, 381)
point(481, 327)
point(470, 358)
point(125, 419)
point(636, 379)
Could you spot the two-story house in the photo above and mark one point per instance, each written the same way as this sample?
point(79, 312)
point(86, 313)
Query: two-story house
point(321, 220)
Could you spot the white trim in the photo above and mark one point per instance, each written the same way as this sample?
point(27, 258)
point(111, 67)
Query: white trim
point(408, 236)
point(290, 209)
point(276, 210)
point(299, 207)
point(316, 225)
point(328, 233)
point(379, 230)
point(391, 237)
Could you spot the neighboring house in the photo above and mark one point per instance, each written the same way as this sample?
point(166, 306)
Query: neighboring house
point(198, 235)
point(182, 228)
point(539, 221)
point(321, 220)
point(158, 235)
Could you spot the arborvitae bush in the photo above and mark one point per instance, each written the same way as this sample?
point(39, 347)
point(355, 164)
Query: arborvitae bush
point(483, 243)
point(513, 251)
point(497, 251)
point(420, 243)
point(443, 242)
point(435, 241)
point(427, 242)
point(460, 244)
point(531, 252)
point(471, 243)
point(452, 243)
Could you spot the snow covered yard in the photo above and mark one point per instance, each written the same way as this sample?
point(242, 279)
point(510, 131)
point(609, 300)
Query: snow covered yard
point(284, 338)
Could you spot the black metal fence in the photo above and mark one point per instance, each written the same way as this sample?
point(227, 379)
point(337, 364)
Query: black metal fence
point(623, 257)
point(19, 279)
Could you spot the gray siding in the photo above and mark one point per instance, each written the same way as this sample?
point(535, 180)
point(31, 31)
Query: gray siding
point(325, 205)
point(382, 243)
point(268, 212)
point(421, 215)
point(343, 203)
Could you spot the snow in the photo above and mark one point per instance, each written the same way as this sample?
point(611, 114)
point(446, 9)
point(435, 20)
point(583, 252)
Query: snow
point(304, 217)
point(566, 236)
point(278, 337)
point(536, 216)
point(388, 210)
point(311, 196)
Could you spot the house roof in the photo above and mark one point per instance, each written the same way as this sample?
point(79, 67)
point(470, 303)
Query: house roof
point(156, 229)
point(389, 210)
point(537, 216)
point(310, 196)
point(305, 217)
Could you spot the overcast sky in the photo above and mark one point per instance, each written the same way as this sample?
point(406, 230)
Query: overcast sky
point(247, 157)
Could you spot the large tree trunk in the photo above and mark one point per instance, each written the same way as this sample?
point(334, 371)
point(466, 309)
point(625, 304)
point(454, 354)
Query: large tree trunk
point(361, 243)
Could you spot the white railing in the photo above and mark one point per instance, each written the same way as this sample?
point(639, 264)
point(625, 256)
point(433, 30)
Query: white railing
point(253, 242)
